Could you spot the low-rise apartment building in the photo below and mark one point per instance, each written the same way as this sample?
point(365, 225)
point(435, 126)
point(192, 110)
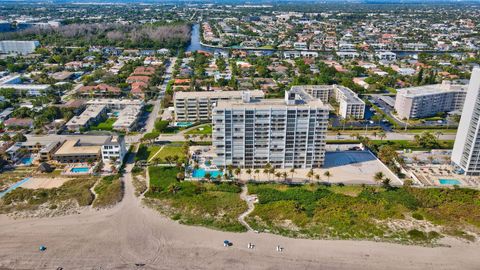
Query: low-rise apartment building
point(127, 118)
point(72, 151)
point(115, 104)
point(428, 100)
point(288, 133)
point(350, 105)
point(92, 114)
point(197, 106)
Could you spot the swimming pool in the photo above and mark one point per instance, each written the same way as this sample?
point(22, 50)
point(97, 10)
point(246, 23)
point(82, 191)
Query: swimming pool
point(183, 124)
point(26, 160)
point(200, 173)
point(449, 182)
point(80, 170)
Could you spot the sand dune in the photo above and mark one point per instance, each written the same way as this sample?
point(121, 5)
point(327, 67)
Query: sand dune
point(129, 234)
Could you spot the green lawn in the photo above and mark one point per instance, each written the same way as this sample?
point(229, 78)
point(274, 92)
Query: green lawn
point(152, 150)
point(105, 125)
point(404, 144)
point(356, 212)
point(201, 130)
point(171, 150)
point(212, 205)
point(146, 152)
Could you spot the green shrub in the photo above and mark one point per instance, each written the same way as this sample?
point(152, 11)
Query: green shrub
point(417, 216)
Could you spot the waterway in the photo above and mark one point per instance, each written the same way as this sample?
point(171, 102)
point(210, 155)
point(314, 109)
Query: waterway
point(195, 45)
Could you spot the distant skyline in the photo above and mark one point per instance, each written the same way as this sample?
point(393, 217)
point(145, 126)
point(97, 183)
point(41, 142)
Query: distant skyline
point(243, 2)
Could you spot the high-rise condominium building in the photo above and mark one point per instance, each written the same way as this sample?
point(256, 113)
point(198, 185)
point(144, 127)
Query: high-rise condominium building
point(289, 133)
point(428, 100)
point(197, 106)
point(466, 150)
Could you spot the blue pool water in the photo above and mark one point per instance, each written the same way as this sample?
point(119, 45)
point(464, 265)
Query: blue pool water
point(184, 124)
point(80, 170)
point(14, 186)
point(116, 114)
point(200, 173)
point(449, 182)
point(26, 161)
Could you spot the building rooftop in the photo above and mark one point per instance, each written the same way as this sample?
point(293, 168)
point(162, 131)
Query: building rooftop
point(128, 116)
point(70, 147)
point(432, 89)
point(47, 139)
point(216, 94)
point(349, 95)
point(114, 101)
point(296, 97)
point(92, 111)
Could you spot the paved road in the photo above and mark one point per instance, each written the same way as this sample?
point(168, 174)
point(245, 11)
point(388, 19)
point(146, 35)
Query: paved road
point(390, 136)
point(150, 123)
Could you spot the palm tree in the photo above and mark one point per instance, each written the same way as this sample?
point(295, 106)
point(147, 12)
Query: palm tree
point(257, 171)
point(317, 177)
point(208, 176)
point(378, 177)
point(272, 171)
point(266, 169)
point(249, 172)
point(278, 175)
point(292, 171)
point(382, 135)
point(327, 174)
point(230, 169)
point(438, 134)
point(180, 176)
point(284, 175)
point(386, 182)
point(310, 174)
point(238, 171)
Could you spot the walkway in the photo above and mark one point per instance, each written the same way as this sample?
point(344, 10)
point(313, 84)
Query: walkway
point(250, 200)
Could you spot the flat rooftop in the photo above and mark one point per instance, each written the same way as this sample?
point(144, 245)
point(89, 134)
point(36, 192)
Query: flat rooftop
point(47, 139)
point(114, 101)
point(92, 111)
point(271, 103)
point(349, 95)
point(216, 94)
point(431, 89)
point(72, 147)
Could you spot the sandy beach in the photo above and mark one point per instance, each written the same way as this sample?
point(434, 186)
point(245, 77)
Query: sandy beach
point(130, 234)
point(45, 182)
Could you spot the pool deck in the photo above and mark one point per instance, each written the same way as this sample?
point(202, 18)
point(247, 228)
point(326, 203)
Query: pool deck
point(68, 169)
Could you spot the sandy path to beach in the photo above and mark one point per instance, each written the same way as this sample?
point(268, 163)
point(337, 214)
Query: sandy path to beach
point(130, 234)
